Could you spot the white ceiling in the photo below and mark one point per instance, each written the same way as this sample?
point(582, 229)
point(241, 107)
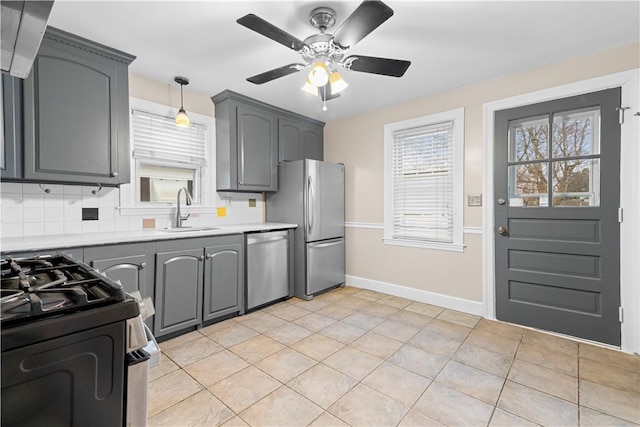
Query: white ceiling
point(450, 43)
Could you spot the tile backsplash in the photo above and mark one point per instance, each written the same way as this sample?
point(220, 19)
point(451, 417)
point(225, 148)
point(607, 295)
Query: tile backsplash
point(27, 210)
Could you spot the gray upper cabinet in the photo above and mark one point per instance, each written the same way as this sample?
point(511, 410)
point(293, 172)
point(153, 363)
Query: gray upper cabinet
point(252, 137)
point(10, 153)
point(75, 112)
point(298, 140)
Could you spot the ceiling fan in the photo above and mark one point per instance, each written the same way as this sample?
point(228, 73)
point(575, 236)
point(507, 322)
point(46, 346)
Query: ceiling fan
point(324, 53)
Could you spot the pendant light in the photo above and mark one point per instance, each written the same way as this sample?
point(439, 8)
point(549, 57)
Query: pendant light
point(182, 120)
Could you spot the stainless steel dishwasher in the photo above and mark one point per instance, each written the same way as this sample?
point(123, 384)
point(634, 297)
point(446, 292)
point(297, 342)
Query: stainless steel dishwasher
point(268, 267)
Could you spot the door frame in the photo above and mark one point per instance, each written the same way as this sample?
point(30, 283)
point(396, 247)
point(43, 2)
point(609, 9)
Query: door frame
point(629, 81)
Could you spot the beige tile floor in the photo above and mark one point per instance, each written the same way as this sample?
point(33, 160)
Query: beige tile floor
point(356, 357)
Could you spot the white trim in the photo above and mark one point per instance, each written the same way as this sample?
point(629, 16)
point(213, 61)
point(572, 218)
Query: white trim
point(473, 230)
point(380, 226)
point(629, 189)
point(454, 303)
point(163, 210)
point(452, 247)
point(457, 116)
point(372, 225)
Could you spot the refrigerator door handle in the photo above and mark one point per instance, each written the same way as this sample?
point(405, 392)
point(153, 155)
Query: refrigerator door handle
point(311, 203)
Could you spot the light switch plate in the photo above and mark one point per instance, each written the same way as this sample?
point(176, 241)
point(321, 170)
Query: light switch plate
point(474, 199)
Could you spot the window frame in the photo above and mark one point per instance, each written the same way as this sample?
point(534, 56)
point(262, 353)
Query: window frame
point(457, 117)
point(129, 193)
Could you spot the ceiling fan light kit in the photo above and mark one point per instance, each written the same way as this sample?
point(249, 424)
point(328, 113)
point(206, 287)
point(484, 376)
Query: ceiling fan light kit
point(182, 119)
point(324, 52)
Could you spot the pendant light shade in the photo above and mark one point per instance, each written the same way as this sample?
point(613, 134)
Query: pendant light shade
point(182, 119)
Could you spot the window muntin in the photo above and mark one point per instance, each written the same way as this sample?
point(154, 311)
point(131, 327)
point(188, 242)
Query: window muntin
point(571, 163)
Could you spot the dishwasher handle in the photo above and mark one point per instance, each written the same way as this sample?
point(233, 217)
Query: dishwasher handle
point(253, 238)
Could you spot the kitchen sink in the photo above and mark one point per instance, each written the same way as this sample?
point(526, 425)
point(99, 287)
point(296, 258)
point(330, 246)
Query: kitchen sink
point(187, 229)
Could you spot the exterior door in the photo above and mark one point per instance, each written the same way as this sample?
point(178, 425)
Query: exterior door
point(557, 235)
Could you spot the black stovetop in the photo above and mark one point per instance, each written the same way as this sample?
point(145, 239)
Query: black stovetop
point(49, 296)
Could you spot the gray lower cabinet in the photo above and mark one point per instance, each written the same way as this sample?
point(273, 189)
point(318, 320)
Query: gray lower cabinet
point(298, 140)
point(197, 280)
point(75, 113)
point(131, 264)
point(223, 279)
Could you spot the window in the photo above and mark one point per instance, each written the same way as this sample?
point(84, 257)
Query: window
point(167, 158)
point(424, 181)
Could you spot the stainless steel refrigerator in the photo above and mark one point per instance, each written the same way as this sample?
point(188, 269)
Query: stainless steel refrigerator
point(311, 194)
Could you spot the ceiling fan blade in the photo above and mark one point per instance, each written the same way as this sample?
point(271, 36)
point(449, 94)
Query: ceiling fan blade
point(267, 29)
point(276, 73)
point(366, 18)
point(371, 64)
point(325, 92)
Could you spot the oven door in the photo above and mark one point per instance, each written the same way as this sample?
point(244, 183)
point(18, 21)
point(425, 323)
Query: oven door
point(74, 380)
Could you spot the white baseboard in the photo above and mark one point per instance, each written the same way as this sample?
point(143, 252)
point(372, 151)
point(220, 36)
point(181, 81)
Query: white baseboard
point(454, 303)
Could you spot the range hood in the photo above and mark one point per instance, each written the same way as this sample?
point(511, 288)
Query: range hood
point(23, 26)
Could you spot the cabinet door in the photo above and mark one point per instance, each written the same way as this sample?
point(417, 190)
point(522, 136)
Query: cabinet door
point(223, 280)
point(10, 152)
point(289, 138)
point(71, 111)
point(311, 145)
point(257, 150)
point(131, 271)
point(179, 282)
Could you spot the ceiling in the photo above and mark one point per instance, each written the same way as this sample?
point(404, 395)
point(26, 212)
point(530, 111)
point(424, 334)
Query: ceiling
point(450, 43)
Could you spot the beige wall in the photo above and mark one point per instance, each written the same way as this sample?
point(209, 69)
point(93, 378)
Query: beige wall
point(358, 143)
point(169, 94)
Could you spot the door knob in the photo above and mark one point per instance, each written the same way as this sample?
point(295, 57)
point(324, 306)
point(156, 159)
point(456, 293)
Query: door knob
point(501, 201)
point(502, 231)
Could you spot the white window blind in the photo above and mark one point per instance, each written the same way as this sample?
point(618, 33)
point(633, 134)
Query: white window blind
point(422, 183)
point(157, 138)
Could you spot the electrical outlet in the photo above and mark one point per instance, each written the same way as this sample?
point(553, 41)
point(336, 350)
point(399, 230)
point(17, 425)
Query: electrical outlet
point(474, 199)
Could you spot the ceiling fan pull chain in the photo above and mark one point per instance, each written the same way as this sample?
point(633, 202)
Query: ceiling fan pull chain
point(324, 98)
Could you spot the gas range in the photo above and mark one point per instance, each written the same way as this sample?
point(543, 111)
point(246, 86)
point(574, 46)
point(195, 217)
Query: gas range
point(34, 288)
point(68, 329)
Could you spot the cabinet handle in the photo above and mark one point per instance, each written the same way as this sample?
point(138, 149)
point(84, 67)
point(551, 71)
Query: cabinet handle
point(208, 256)
point(142, 265)
point(201, 257)
point(114, 174)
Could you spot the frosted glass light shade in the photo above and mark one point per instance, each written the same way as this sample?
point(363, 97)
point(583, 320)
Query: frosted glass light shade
point(319, 75)
point(337, 82)
point(182, 120)
point(309, 88)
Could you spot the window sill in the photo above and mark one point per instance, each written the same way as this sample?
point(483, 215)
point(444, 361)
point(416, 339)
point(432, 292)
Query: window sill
point(451, 247)
point(168, 210)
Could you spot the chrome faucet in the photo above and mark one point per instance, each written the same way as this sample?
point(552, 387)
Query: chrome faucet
point(179, 218)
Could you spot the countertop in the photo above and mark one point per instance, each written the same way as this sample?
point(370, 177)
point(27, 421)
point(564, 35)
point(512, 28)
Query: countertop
point(56, 241)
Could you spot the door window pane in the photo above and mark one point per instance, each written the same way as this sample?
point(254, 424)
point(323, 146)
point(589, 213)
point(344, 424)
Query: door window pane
point(528, 184)
point(576, 183)
point(576, 133)
point(529, 139)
